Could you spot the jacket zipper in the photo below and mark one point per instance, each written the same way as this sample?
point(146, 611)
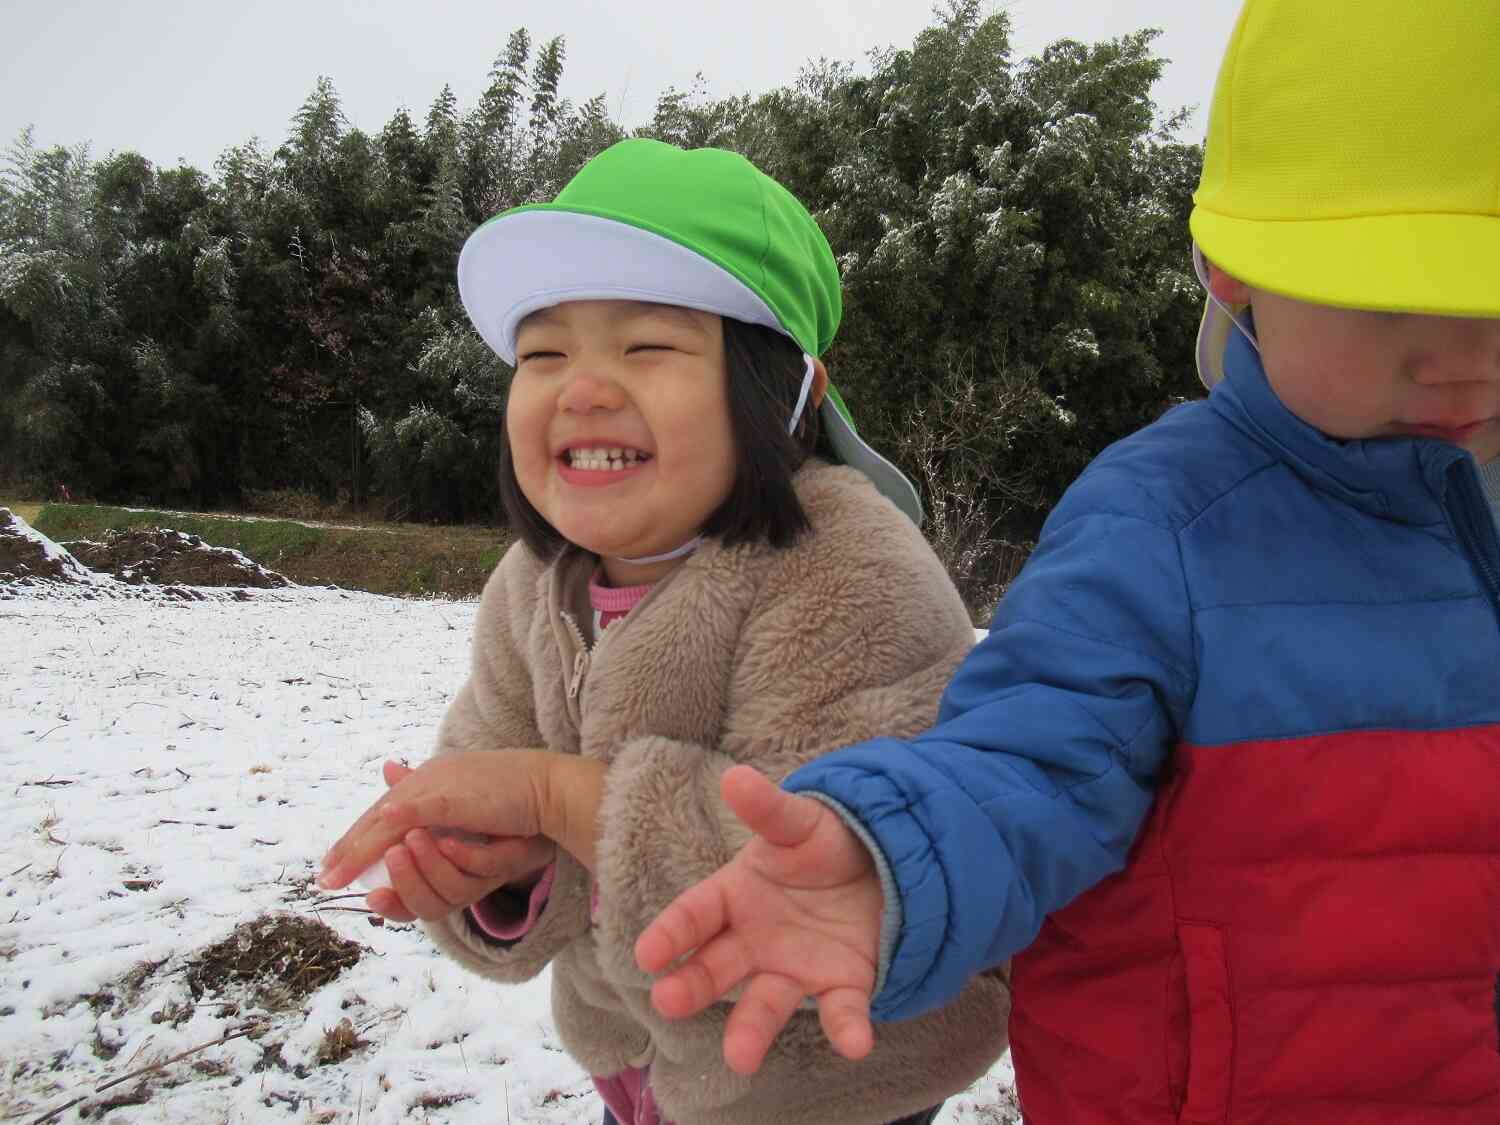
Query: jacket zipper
point(580, 657)
point(1476, 532)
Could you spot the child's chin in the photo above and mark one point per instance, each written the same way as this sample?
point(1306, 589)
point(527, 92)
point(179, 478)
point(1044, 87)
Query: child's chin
point(605, 546)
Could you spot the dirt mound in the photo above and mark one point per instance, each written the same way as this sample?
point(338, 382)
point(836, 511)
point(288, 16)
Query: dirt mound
point(165, 565)
point(279, 958)
point(163, 557)
point(28, 557)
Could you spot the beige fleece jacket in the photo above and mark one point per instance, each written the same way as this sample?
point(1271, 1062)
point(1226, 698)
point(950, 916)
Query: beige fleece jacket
point(746, 654)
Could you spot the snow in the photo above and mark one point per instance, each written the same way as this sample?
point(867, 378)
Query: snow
point(170, 769)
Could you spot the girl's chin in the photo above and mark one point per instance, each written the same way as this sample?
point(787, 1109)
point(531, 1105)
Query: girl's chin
point(596, 543)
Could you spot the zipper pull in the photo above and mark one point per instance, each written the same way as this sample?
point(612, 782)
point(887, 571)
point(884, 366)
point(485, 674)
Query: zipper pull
point(580, 666)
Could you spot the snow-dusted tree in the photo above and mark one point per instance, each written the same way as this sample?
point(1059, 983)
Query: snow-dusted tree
point(1021, 222)
point(438, 459)
point(61, 318)
point(1012, 235)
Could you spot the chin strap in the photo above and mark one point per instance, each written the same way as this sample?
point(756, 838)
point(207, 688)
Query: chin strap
point(686, 549)
point(1200, 266)
point(808, 371)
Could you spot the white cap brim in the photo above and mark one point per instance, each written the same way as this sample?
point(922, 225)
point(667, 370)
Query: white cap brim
point(519, 263)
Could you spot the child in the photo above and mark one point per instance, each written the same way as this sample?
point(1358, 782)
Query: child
point(1225, 776)
point(693, 589)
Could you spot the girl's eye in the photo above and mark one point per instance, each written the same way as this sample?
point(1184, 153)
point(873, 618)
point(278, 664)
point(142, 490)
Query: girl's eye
point(650, 348)
point(523, 357)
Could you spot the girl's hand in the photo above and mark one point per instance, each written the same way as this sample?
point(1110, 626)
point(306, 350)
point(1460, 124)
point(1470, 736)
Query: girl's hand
point(795, 913)
point(430, 874)
point(493, 793)
point(510, 793)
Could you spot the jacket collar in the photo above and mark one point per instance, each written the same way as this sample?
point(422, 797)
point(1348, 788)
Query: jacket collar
point(1404, 479)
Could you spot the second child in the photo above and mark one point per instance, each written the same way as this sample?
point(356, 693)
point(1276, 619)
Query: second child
point(1225, 776)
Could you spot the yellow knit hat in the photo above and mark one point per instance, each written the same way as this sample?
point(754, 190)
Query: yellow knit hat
point(1353, 159)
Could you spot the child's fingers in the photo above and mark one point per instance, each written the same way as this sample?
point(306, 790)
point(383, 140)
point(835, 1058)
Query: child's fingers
point(456, 888)
point(782, 818)
point(689, 920)
point(507, 859)
point(708, 975)
point(363, 843)
point(387, 903)
point(514, 810)
point(394, 772)
point(381, 826)
point(758, 1017)
point(408, 882)
point(845, 1016)
point(360, 846)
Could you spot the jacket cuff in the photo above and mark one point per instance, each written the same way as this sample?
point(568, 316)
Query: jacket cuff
point(890, 911)
point(508, 914)
point(920, 888)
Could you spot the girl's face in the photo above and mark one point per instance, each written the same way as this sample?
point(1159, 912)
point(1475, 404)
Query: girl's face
point(618, 422)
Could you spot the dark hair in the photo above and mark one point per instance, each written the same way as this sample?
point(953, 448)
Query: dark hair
point(765, 370)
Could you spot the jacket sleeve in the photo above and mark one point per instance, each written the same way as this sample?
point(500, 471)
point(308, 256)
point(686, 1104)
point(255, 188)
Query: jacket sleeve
point(835, 649)
point(495, 711)
point(1041, 768)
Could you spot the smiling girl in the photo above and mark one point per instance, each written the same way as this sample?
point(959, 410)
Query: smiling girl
point(713, 569)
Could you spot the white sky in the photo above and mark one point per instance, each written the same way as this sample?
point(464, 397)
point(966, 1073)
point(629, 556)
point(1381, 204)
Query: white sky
point(185, 79)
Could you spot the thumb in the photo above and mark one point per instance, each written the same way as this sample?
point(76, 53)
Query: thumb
point(393, 772)
point(782, 818)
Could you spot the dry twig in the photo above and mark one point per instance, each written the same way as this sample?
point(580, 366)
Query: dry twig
point(51, 782)
point(53, 1114)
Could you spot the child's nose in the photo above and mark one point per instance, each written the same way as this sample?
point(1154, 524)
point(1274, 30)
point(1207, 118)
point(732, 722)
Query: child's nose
point(1465, 350)
point(586, 392)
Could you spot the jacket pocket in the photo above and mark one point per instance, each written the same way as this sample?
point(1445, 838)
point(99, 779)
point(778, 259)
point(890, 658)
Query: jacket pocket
point(1210, 1012)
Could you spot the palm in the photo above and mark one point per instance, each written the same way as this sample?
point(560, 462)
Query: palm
point(795, 903)
point(796, 913)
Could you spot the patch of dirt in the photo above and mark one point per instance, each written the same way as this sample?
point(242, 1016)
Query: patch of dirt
point(27, 554)
point(139, 1095)
point(156, 564)
point(442, 1101)
point(163, 557)
point(279, 958)
point(339, 1042)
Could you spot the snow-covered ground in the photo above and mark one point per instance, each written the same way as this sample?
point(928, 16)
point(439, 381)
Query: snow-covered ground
point(171, 769)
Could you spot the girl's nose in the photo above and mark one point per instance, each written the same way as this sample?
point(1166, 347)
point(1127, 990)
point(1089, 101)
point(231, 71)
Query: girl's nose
point(587, 392)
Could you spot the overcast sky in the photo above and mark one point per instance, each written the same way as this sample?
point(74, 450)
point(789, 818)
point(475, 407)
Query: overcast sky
point(185, 79)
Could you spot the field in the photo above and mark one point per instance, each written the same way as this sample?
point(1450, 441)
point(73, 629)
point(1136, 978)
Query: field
point(171, 772)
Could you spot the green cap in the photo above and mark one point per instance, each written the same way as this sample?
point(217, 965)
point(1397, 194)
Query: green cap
point(702, 228)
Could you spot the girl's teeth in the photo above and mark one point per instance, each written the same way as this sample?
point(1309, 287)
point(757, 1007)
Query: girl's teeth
point(605, 459)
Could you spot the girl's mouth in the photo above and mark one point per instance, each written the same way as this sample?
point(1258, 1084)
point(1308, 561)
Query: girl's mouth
point(604, 459)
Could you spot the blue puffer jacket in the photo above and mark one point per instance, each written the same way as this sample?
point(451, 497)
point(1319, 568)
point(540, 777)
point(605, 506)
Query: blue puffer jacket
point(1296, 642)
